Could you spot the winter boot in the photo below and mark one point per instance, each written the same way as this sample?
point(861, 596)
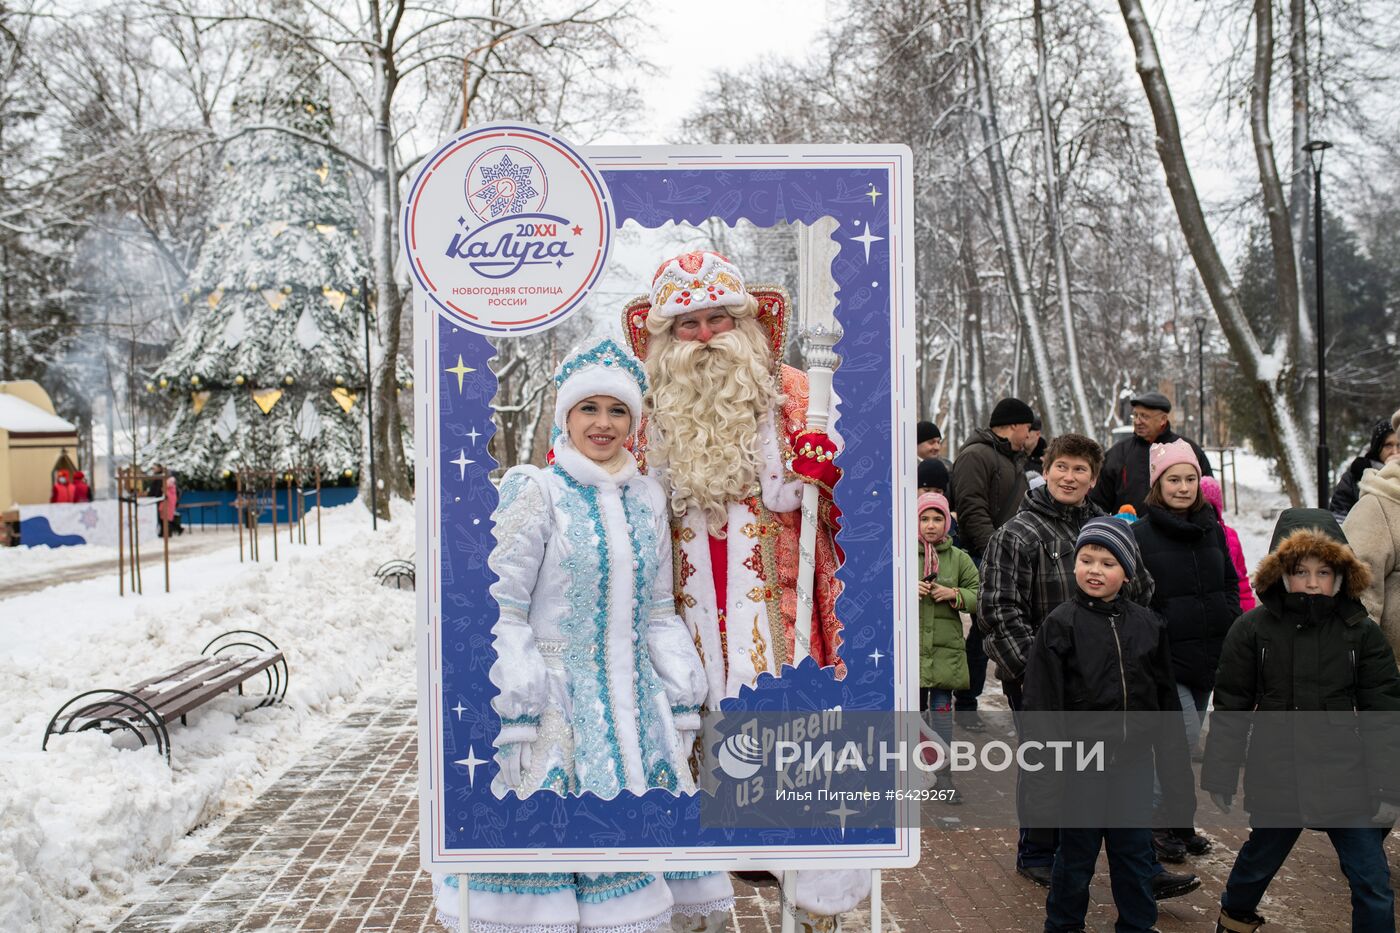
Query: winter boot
point(1228, 923)
point(1195, 843)
point(1168, 846)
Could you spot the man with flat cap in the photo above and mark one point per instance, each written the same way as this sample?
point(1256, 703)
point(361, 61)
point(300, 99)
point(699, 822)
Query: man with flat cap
point(1124, 478)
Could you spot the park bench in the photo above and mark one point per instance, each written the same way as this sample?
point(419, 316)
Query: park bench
point(226, 663)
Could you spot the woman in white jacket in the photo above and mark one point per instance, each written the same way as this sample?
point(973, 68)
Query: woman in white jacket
point(600, 682)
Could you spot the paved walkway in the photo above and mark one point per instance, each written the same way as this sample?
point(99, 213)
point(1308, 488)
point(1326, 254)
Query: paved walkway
point(332, 846)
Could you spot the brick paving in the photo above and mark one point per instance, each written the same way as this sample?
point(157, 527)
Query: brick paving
point(332, 846)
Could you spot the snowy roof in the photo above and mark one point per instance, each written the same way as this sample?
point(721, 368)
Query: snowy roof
point(19, 416)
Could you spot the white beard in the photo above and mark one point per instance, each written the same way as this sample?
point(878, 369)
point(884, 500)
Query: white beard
point(706, 405)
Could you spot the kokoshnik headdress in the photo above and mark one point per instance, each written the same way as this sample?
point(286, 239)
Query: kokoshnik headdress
point(599, 367)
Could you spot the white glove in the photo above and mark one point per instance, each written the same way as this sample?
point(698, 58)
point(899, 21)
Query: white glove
point(1222, 801)
point(1386, 814)
point(687, 742)
point(514, 760)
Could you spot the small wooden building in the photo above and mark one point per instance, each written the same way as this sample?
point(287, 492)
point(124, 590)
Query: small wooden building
point(34, 444)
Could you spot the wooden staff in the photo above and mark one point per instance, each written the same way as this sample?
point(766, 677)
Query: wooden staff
point(272, 494)
point(165, 522)
point(121, 532)
point(136, 528)
point(238, 509)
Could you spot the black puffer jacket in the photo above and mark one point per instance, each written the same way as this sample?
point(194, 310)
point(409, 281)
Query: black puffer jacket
point(1109, 663)
point(989, 480)
point(1124, 477)
point(1307, 697)
point(1197, 591)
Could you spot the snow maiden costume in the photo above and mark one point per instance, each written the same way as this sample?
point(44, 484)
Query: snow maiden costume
point(600, 682)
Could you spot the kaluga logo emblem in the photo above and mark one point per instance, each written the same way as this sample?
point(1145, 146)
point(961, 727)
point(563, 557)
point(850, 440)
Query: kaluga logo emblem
point(507, 228)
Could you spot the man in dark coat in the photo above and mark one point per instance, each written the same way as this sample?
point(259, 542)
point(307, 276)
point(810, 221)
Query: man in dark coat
point(1385, 443)
point(988, 483)
point(1307, 702)
point(1124, 480)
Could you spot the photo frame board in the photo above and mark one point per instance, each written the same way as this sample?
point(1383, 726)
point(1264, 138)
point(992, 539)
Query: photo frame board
point(464, 827)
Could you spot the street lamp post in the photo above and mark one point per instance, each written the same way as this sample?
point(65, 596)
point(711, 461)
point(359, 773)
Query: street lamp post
point(1316, 148)
point(1200, 322)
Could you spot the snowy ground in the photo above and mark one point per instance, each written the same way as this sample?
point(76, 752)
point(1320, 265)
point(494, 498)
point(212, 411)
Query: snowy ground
point(81, 823)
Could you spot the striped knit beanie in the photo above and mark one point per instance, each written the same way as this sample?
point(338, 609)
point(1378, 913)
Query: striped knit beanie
point(1114, 535)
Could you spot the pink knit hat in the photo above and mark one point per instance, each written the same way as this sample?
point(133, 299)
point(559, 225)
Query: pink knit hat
point(1212, 493)
point(1165, 456)
point(934, 500)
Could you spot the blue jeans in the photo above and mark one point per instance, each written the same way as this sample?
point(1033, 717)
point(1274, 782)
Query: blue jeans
point(1194, 702)
point(1129, 873)
point(1361, 853)
point(936, 705)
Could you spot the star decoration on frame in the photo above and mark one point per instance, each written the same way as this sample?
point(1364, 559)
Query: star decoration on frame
point(867, 238)
point(460, 370)
point(471, 762)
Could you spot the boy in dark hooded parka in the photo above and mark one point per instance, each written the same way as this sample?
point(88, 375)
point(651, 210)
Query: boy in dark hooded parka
point(1307, 702)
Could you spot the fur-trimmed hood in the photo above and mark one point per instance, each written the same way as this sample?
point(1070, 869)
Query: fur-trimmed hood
point(1311, 533)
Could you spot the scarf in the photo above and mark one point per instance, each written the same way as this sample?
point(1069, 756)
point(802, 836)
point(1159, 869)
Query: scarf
point(934, 500)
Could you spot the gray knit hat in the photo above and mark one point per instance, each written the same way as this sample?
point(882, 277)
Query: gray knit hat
point(1114, 535)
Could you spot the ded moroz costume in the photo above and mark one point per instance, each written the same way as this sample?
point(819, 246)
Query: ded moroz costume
point(736, 584)
point(600, 683)
point(727, 436)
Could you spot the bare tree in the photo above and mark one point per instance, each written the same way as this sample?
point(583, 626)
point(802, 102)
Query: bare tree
point(1014, 254)
point(1049, 148)
point(1266, 371)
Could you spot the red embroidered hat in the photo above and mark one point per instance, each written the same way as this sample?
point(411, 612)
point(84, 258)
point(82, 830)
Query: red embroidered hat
point(695, 281)
point(698, 280)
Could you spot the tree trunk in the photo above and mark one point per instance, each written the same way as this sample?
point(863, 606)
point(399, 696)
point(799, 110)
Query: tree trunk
point(391, 468)
point(1275, 208)
point(1021, 298)
point(1084, 419)
point(1299, 184)
point(974, 371)
point(1261, 370)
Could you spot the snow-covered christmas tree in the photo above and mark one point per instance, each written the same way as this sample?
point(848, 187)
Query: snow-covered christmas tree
point(267, 369)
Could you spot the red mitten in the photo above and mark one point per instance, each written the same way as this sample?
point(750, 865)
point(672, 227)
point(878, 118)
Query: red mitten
point(813, 456)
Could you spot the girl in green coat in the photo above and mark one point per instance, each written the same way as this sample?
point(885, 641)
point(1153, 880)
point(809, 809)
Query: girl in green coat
point(948, 585)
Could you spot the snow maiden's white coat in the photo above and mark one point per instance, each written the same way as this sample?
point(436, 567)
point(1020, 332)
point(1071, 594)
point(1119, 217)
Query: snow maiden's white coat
point(599, 678)
point(602, 736)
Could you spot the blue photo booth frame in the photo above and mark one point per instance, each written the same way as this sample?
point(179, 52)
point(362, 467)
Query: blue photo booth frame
point(867, 190)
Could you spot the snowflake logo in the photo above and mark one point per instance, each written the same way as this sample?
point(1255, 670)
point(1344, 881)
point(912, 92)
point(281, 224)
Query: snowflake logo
point(506, 188)
point(88, 518)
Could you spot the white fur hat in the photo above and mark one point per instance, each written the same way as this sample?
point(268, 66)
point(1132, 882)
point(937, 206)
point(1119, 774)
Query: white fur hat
point(599, 367)
point(695, 281)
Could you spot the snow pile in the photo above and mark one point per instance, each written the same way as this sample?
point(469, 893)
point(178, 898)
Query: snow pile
point(80, 823)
